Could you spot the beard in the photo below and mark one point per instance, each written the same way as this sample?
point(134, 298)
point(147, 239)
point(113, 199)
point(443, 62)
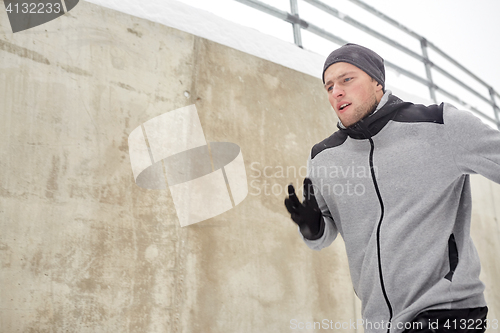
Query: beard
point(363, 111)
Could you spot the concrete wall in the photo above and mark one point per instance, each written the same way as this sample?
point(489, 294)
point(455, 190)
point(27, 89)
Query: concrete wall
point(84, 249)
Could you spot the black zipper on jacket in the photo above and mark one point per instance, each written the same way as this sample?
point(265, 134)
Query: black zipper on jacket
point(378, 232)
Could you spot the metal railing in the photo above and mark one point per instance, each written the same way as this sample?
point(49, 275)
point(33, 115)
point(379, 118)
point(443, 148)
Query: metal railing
point(298, 24)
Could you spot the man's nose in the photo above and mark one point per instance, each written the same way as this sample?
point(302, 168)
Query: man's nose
point(337, 92)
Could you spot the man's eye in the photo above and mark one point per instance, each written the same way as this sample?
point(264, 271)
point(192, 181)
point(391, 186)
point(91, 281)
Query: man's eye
point(329, 88)
point(347, 79)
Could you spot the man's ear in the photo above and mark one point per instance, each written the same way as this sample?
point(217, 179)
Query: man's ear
point(378, 85)
point(379, 88)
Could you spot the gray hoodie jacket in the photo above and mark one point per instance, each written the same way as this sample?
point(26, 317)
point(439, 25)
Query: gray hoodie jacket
point(396, 187)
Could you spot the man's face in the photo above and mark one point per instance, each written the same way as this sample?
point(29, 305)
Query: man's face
point(352, 93)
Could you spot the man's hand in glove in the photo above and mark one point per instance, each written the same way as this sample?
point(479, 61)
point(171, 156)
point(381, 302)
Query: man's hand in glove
point(307, 214)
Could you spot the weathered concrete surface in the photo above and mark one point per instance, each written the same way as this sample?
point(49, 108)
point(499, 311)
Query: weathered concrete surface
point(486, 235)
point(83, 249)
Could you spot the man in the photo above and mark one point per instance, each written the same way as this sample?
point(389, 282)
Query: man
point(394, 182)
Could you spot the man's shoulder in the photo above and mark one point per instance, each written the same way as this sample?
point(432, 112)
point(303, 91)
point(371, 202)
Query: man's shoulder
point(409, 113)
point(334, 140)
point(418, 113)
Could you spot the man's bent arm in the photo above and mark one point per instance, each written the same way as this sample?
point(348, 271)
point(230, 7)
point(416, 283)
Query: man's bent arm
point(476, 145)
point(330, 230)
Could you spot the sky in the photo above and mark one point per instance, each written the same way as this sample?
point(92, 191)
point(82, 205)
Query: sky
point(465, 30)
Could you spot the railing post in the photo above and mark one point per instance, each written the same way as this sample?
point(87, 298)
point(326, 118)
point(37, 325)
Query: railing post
point(428, 66)
point(296, 26)
point(495, 107)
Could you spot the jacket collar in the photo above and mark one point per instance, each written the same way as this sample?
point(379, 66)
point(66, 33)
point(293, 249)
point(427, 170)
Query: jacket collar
point(374, 122)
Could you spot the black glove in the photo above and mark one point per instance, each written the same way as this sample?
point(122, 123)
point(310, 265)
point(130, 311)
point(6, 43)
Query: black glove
point(307, 214)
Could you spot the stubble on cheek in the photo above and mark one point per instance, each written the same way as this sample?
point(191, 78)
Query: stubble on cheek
point(367, 108)
point(360, 112)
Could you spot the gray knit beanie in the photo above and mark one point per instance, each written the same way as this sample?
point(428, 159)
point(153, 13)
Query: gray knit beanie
point(361, 57)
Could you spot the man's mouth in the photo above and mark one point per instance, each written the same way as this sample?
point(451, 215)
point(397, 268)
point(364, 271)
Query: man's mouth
point(344, 106)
